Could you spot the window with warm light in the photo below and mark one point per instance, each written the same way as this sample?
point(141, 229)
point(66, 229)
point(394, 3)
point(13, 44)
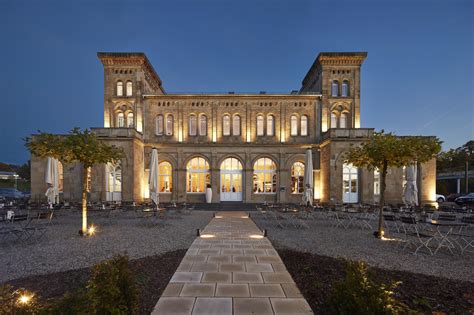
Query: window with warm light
point(345, 88)
point(120, 120)
point(198, 175)
point(226, 125)
point(169, 125)
point(297, 178)
point(260, 125)
point(294, 125)
point(304, 125)
point(236, 125)
point(335, 88)
point(61, 177)
point(159, 125)
point(192, 125)
point(130, 122)
point(270, 125)
point(343, 120)
point(203, 125)
point(165, 177)
point(129, 88)
point(333, 120)
point(264, 176)
point(119, 88)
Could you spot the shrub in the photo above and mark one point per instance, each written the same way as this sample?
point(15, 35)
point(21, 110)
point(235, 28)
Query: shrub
point(112, 288)
point(70, 303)
point(359, 294)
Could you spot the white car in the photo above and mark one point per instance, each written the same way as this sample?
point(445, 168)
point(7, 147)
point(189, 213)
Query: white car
point(440, 198)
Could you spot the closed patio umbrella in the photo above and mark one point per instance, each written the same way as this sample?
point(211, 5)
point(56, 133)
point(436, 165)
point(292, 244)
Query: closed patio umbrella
point(410, 191)
point(153, 180)
point(308, 178)
point(52, 180)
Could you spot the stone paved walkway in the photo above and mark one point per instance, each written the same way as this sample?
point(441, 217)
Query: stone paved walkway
point(231, 269)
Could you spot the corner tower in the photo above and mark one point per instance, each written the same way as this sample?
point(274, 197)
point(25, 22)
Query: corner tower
point(336, 75)
point(127, 77)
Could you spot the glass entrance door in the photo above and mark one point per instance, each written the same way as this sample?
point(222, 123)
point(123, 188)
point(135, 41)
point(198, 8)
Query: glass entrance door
point(350, 189)
point(231, 180)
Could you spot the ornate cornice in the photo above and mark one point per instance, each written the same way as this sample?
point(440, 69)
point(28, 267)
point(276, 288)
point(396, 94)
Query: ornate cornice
point(132, 59)
point(335, 59)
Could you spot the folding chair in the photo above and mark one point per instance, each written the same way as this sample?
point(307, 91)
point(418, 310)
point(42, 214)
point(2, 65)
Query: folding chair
point(39, 225)
point(413, 236)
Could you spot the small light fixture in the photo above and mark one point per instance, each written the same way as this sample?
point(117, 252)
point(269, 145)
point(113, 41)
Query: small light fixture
point(256, 236)
point(25, 298)
point(208, 235)
point(92, 230)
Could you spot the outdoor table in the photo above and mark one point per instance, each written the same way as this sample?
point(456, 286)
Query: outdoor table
point(443, 238)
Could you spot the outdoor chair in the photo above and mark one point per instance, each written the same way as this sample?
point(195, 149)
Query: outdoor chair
point(391, 222)
point(413, 235)
point(262, 212)
point(465, 237)
point(39, 224)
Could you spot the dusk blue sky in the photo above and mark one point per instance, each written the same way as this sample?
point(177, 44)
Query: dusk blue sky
point(417, 79)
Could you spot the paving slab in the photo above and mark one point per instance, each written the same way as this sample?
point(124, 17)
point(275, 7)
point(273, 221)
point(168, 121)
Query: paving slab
point(231, 269)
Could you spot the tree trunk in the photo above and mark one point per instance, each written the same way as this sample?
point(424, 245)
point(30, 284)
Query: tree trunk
point(383, 175)
point(84, 200)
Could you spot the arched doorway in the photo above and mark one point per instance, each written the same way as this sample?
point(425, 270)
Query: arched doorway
point(114, 182)
point(350, 184)
point(231, 180)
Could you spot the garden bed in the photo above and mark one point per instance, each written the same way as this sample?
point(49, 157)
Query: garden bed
point(152, 274)
point(316, 275)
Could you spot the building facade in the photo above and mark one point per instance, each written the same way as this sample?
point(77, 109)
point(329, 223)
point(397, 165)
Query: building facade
point(249, 148)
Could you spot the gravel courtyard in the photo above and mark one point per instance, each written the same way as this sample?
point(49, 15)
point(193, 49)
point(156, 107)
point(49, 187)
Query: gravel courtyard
point(62, 249)
point(359, 244)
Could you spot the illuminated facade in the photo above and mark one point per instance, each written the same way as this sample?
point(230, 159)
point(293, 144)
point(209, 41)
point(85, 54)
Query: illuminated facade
point(248, 147)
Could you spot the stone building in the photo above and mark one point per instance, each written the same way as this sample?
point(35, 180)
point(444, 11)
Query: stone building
point(249, 147)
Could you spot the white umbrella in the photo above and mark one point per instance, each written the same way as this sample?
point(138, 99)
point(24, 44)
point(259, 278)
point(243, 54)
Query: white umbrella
point(308, 178)
point(410, 191)
point(153, 180)
point(52, 180)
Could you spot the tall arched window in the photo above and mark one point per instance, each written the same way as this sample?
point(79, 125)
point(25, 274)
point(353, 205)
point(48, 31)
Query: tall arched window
point(169, 125)
point(343, 120)
point(264, 176)
point(192, 125)
point(294, 125)
point(304, 125)
point(270, 125)
point(297, 178)
point(236, 125)
point(226, 125)
point(119, 88)
point(345, 88)
point(335, 88)
point(333, 120)
point(129, 88)
point(120, 120)
point(260, 125)
point(376, 181)
point(165, 177)
point(159, 125)
point(203, 125)
point(130, 123)
point(198, 175)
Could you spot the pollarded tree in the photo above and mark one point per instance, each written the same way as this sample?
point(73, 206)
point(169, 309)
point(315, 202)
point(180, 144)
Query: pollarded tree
point(77, 146)
point(386, 150)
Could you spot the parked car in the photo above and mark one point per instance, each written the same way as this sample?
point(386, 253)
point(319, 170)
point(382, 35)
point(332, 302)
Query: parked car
point(440, 198)
point(465, 200)
point(453, 196)
point(11, 193)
